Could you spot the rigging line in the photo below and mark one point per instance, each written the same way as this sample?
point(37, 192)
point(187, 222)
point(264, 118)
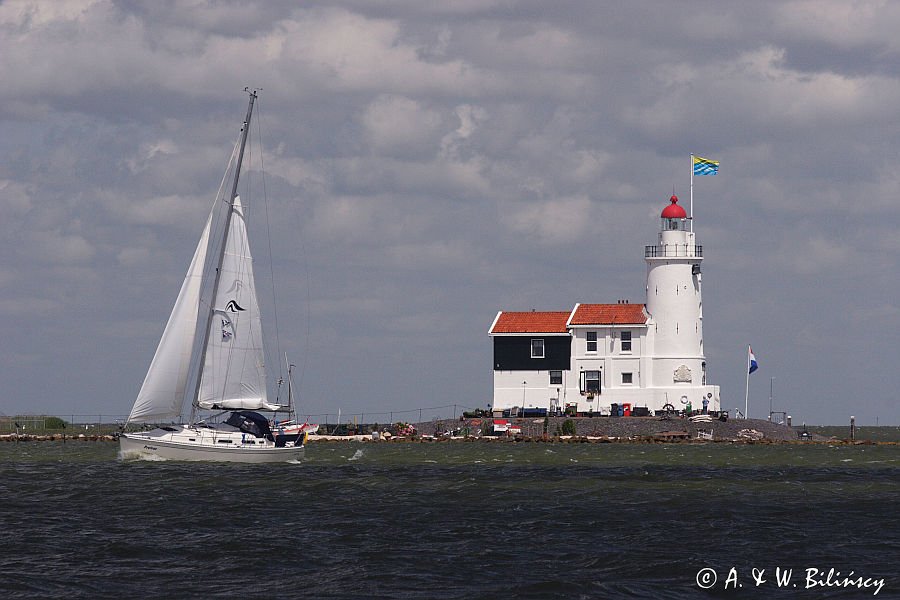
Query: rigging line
point(304, 362)
point(260, 370)
point(262, 168)
point(304, 356)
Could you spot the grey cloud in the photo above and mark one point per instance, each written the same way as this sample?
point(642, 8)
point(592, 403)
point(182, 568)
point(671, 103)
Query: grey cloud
point(428, 165)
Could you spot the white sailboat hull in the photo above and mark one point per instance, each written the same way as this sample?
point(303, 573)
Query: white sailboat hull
point(204, 444)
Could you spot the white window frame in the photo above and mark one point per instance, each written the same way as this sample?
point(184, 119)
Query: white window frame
point(623, 341)
point(560, 377)
point(630, 376)
point(543, 353)
point(583, 381)
point(589, 341)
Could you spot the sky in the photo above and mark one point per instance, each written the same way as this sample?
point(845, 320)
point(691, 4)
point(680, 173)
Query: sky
point(428, 164)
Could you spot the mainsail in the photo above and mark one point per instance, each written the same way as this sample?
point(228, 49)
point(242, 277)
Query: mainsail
point(162, 394)
point(234, 373)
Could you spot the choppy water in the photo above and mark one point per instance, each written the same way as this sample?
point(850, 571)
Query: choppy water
point(458, 520)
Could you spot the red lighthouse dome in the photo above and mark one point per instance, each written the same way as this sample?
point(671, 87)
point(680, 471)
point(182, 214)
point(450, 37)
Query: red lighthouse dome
point(673, 211)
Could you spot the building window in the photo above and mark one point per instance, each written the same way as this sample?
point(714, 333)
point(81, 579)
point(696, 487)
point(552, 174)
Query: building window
point(591, 341)
point(555, 377)
point(626, 341)
point(627, 379)
point(590, 382)
point(537, 348)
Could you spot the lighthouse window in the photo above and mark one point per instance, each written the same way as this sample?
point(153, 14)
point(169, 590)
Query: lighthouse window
point(537, 348)
point(626, 341)
point(591, 341)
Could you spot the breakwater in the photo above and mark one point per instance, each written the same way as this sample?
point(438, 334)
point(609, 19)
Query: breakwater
point(56, 437)
point(582, 430)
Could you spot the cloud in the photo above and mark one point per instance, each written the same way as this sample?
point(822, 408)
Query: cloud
point(845, 24)
point(58, 248)
point(173, 210)
point(437, 162)
point(15, 198)
point(148, 152)
point(558, 221)
point(438, 254)
point(30, 307)
point(134, 257)
point(20, 13)
point(350, 52)
point(470, 117)
point(401, 127)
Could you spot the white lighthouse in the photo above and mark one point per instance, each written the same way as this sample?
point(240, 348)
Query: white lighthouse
point(675, 310)
point(621, 358)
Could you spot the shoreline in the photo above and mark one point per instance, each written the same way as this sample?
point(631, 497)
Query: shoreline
point(367, 439)
point(620, 430)
point(606, 430)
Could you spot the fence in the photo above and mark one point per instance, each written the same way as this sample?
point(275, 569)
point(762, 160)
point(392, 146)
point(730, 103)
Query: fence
point(415, 415)
point(99, 424)
point(108, 423)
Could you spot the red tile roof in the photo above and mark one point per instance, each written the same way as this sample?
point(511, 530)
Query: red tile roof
point(531, 322)
point(608, 314)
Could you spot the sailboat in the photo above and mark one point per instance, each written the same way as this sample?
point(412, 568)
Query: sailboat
point(211, 353)
point(292, 428)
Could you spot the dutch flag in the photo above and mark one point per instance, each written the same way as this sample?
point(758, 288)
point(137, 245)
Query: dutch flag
point(751, 360)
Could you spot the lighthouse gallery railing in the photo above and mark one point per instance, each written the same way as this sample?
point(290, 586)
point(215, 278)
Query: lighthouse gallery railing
point(672, 250)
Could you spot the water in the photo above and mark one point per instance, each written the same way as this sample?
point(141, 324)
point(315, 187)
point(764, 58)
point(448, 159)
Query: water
point(450, 520)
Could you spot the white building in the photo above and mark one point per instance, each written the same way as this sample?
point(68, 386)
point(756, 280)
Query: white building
point(598, 355)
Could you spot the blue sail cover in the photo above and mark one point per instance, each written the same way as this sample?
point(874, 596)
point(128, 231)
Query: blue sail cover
point(252, 423)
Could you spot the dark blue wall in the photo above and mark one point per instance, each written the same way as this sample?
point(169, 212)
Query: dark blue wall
point(513, 353)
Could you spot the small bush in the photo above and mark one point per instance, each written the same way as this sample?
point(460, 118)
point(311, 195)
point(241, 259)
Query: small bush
point(568, 427)
point(54, 423)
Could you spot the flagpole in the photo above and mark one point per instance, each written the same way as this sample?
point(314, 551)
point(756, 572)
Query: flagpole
point(692, 192)
point(747, 389)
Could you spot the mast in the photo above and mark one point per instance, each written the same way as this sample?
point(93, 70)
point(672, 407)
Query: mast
point(691, 207)
point(747, 388)
point(204, 334)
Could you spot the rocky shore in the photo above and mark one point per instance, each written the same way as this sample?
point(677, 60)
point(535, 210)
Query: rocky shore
point(607, 430)
point(56, 437)
point(632, 429)
point(586, 429)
